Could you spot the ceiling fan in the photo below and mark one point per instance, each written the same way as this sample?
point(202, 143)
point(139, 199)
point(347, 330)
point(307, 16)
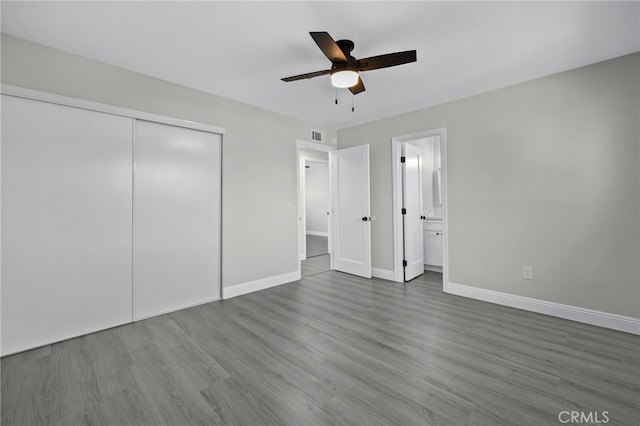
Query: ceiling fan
point(345, 69)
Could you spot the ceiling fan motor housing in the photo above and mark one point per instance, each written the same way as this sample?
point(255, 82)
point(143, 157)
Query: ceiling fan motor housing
point(346, 46)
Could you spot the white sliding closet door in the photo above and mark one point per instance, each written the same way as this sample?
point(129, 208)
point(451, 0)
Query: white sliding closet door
point(66, 222)
point(176, 221)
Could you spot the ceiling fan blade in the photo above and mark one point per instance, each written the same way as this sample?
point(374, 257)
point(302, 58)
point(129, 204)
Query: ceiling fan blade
point(388, 60)
point(358, 88)
point(328, 46)
point(307, 75)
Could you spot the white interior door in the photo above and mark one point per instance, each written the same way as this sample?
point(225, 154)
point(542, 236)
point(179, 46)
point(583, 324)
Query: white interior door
point(412, 212)
point(66, 222)
point(176, 220)
point(350, 193)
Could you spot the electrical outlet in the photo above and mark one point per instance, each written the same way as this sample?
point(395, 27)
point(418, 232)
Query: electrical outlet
point(527, 272)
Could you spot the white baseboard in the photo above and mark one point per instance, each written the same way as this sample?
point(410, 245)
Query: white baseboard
point(318, 233)
point(433, 268)
point(574, 313)
point(383, 273)
point(261, 284)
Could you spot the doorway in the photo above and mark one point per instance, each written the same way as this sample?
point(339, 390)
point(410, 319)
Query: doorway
point(349, 227)
point(316, 212)
point(314, 230)
point(433, 223)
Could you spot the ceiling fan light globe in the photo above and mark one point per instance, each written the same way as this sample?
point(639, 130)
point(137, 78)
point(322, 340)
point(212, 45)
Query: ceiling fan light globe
point(344, 79)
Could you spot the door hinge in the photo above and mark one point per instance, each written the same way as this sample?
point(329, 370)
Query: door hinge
point(404, 211)
point(404, 263)
point(403, 159)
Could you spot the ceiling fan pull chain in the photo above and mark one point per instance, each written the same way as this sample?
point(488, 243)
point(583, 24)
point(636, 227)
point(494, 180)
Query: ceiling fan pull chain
point(353, 108)
point(336, 91)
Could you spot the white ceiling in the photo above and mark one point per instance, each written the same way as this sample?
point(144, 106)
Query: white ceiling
point(240, 50)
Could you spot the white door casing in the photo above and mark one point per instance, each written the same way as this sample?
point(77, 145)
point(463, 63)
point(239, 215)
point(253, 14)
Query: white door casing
point(350, 192)
point(412, 211)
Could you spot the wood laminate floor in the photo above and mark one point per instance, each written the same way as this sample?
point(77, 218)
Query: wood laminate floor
point(317, 245)
point(331, 349)
point(315, 265)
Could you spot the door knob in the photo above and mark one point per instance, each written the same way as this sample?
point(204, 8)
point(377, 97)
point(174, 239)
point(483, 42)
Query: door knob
point(422, 218)
point(365, 219)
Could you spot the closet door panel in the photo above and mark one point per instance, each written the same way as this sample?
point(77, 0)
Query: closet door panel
point(176, 231)
point(66, 222)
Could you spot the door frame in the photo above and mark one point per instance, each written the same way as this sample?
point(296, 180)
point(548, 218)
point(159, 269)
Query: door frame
point(301, 198)
point(396, 153)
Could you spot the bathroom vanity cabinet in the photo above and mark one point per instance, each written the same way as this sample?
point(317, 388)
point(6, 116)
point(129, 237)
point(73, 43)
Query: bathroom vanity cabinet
point(433, 239)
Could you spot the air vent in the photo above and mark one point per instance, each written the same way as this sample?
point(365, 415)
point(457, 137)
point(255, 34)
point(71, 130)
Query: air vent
point(317, 136)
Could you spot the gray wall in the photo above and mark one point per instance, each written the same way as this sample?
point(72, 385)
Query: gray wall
point(259, 148)
point(544, 173)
